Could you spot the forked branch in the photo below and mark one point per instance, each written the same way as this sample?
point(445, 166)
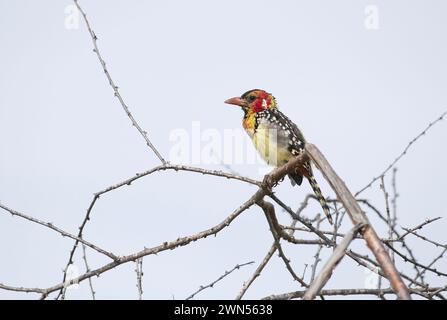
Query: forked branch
point(358, 217)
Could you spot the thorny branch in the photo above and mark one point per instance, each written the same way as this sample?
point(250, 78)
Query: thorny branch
point(351, 206)
point(317, 254)
point(182, 241)
point(128, 113)
point(51, 226)
point(362, 260)
point(350, 292)
point(358, 217)
point(137, 176)
point(325, 273)
point(211, 285)
point(269, 211)
point(115, 87)
point(265, 189)
point(269, 254)
point(403, 153)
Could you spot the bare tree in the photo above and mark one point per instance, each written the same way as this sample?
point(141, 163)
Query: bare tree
point(389, 253)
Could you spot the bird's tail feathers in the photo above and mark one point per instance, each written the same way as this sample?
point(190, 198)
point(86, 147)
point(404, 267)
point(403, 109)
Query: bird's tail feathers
point(320, 197)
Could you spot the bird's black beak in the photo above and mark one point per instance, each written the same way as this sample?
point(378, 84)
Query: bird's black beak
point(237, 101)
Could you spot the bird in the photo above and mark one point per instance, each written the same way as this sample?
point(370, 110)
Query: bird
point(276, 137)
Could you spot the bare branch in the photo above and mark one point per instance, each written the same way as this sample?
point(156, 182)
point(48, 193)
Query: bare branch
point(163, 247)
point(348, 292)
point(211, 285)
point(358, 217)
point(59, 230)
point(362, 260)
point(403, 153)
point(444, 288)
point(269, 211)
point(270, 253)
point(326, 273)
point(384, 265)
point(418, 227)
point(397, 234)
point(436, 259)
point(128, 113)
point(166, 167)
point(139, 272)
point(141, 175)
point(87, 269)
point(406, 259)
point(115, 87)
point(22, 289)
point(317, 254)
point(257, 272)
point(425, 238)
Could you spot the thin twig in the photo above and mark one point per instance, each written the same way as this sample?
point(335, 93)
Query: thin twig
point(51, 226)
point(139, 272)
point(418, 227)
point(444, 288)
point(130, 116)
point(75, 245)
point(271, 252)
point(140, 175)
point(436, 259)
point(211, 285)
point(269, 181)
point(325, 274)
point(182, 241)
point(358, 217)
point(388, 212)
point(396, 233)
point(403, 153)
point(331, 233)
point(407, 259)
point(437, 244)
point(394, 198)
point(87, 269)
point(349, 292)
point(359, 259)
point(115, 87)
point(317, 254)
point(269, 211)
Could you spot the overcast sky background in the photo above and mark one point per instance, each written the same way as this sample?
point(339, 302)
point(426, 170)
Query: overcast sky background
point(360, 95)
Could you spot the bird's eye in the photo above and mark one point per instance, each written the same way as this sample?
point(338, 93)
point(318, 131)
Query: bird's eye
point(251, 98)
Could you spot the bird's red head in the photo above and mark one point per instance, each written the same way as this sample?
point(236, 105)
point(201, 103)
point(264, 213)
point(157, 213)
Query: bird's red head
point(255, 100)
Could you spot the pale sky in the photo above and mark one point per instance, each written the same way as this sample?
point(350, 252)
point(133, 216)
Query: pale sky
point(360, 92)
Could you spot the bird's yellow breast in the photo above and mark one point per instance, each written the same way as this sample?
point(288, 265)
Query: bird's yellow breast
point(269, 145)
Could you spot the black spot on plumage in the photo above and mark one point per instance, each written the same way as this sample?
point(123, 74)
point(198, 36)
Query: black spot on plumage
point(294, 143)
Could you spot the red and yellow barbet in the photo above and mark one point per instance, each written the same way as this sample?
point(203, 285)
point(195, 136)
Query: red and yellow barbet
point(276, 138)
